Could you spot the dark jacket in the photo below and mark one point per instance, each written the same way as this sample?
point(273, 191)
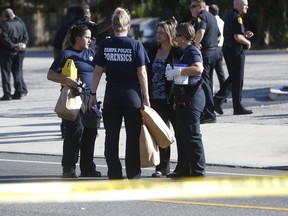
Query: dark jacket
point(12, 32)
point(174, 55)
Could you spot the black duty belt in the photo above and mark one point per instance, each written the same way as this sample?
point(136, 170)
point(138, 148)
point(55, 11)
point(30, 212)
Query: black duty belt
point(208, 48)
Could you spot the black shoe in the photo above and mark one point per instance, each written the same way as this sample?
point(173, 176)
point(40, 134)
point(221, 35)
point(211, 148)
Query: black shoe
point(217, 107)
point(176, 175)
point(69, 173)
point(207, 120)
point(159, 174)
point(16, 96)
point(243, 112)
point(91, 174)
point(5, 98)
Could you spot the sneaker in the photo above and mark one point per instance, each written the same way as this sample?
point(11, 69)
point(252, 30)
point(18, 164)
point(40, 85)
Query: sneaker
point(94, 173)
point(69, 173)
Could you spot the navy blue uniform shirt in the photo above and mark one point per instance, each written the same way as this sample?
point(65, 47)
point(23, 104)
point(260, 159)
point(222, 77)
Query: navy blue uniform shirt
point(84, 62)
point(208, 22)
point(121, 56)
point(233, 25)
point(190, 56)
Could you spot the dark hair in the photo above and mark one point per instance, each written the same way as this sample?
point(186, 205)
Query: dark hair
point(186, 30)
point(76, 12)
point(214, 9)
point(75, 31)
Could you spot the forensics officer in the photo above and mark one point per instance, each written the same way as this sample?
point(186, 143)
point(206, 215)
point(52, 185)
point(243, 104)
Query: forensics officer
point(235, 43)
point(124, 60)
point(77, 137)
point(207, 34)
point(190, 102)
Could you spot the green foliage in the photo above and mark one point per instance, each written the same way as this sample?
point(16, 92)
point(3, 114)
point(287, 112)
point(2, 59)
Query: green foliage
point(266, 18)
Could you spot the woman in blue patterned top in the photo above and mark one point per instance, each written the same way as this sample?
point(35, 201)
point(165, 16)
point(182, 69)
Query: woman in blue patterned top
point(167, 52)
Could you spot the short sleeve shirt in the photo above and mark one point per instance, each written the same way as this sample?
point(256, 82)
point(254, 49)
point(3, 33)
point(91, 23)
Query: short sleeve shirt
point(208, 22)
point(84, 62)
point(121, 56)
point(233, 25)
point(190, 56)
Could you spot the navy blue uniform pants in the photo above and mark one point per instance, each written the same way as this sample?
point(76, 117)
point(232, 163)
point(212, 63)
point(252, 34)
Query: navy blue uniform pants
point(191, 156)
point(235, 64)
point(122, 101)
point(79, 138)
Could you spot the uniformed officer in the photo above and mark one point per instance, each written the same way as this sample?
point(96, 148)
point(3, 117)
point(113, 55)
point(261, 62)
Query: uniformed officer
point(235, 42)
point(124, 61)
point(207, 34)
point(190, 102)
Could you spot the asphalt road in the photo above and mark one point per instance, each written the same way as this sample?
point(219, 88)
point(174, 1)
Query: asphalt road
point(33, 168)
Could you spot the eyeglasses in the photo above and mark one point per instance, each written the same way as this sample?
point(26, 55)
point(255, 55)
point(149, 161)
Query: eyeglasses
point(193, 6)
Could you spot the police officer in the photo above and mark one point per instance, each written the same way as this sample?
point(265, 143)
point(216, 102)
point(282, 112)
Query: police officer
point(190, 102)
point(207, 34)
point(235, 42)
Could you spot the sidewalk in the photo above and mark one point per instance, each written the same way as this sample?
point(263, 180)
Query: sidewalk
point(258, 140)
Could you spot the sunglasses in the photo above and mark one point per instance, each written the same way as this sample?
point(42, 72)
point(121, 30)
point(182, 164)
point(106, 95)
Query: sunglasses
point(193, 6)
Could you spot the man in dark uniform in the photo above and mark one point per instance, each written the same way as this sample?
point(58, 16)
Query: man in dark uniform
point(13, 40)
point(207, 34)
point(79, 15)
point(235, 42)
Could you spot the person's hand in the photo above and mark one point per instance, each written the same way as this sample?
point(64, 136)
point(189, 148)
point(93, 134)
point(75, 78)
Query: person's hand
point(247, 46)
point(170, 74)
point(71, 82)
point(146, 102)
point(249, 34)
point(92, 102)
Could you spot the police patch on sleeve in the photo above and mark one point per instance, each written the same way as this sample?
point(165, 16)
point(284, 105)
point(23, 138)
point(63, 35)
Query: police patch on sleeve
point(240, 21)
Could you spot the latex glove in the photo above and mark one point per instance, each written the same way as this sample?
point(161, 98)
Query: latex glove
point(170, 74)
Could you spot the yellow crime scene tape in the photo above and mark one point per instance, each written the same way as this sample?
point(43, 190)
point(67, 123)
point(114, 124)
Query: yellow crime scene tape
point(142, 189)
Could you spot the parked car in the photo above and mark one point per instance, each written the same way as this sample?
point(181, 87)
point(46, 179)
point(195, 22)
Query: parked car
point(144, 30)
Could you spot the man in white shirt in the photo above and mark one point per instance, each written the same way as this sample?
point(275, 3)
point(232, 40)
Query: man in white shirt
point(214, 9)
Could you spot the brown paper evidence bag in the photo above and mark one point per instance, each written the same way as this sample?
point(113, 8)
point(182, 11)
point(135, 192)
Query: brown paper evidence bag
point(154, 134)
